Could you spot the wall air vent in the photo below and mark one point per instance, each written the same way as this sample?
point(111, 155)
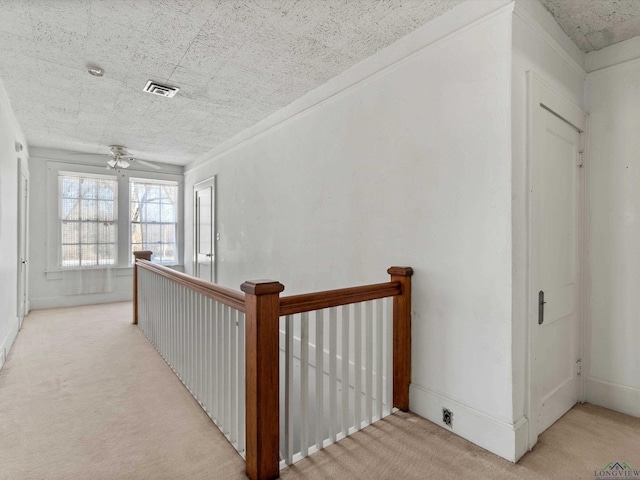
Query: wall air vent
point(159, 89)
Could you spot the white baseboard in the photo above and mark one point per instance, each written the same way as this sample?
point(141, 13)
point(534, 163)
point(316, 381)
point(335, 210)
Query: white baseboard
point(613, 396)
point(77, 300)
point(7, 342)
point(509, 441)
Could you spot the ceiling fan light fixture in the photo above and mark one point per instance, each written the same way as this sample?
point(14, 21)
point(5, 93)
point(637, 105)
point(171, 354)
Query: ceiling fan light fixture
point(122, 163)
point(112, 163)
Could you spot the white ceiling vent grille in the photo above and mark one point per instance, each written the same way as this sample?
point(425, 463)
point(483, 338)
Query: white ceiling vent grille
point(159, 89)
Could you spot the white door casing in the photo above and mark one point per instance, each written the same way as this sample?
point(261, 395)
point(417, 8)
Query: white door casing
point(23, 242)
point(204, 230)
point(556, 266)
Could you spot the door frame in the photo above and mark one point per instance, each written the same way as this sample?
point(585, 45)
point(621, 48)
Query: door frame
point(541, 94)
point(210, 182)
point(23, 241)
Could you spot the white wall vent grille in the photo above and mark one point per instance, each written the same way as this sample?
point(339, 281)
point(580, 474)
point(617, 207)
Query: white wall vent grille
point(159, 89)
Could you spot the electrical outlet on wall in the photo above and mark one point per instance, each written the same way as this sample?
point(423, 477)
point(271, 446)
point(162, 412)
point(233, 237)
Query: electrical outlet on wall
point(447, 417)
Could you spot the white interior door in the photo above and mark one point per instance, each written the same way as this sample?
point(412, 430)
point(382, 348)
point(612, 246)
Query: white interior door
point(23, 239)
point(204, 231)
point(555, 281)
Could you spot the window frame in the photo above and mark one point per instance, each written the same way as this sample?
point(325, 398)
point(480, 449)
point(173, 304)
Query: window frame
point(91, 166)
point(176, 222)
point(115, 221)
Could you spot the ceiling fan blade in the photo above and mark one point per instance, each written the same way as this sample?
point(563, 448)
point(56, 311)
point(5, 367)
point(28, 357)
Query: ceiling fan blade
point(90, 154)
point(148, 164)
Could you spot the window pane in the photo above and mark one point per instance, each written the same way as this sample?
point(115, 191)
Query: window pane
point(88, 255)
point(106, 233)
point(134, 213)
point(88, 188)
point(168, 233)
point(153, 234)
point(168, 213)
point(106, 189)
point(106, 255)
point(106, 211)
point(69, 209)
point(88, 233)
point(70, 255)
point(69, 187)
point(151, 213)
point(89, 210)
point(136, 233)
point(70, 232)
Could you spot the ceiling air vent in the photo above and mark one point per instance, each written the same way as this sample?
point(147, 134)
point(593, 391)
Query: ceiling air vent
point(159, 89)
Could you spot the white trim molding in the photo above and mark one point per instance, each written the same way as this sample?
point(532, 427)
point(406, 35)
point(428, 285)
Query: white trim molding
point(505, 439)
point(8, 341)
point(614, 396)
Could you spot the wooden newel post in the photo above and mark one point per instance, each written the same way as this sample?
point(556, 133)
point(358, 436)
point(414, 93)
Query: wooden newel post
point(401, 337)
point(142, 255)
point(262, 303)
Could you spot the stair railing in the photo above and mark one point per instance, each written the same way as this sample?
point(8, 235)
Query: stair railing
point(236, 352)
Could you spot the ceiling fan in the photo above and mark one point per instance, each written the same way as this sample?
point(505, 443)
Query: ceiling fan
point(120, 158)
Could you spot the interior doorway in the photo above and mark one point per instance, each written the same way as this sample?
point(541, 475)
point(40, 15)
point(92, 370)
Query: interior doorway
point(556, 314)
point(204, 230)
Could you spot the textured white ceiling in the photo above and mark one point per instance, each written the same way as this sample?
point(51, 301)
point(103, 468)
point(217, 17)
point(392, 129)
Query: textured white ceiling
point(596, 24)
point(236, 62)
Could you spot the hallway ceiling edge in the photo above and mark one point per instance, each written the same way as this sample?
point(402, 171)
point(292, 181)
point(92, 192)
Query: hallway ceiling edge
point(235, 62)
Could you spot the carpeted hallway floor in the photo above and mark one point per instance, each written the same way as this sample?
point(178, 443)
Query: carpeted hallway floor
point(83, 395)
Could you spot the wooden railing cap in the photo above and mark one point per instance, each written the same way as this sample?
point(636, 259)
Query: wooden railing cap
point(143, 254)
point(261, 287)
point(402, 271)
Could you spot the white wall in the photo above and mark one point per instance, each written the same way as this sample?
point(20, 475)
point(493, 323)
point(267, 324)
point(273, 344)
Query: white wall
point(409, 166)
point(539, 45)
point(613, 169)
point(9, 133)
point(50, 286)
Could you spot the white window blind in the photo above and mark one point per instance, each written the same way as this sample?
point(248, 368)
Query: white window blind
point(153, 207)
point(88, 217)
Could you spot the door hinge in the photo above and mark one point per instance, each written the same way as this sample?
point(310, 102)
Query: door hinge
point(579, 367)
point(580, 159)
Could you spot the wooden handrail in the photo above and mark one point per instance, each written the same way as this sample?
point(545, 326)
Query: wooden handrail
point(334, 298)
point(225, 295)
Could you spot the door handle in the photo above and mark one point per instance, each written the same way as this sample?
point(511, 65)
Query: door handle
point(541, 303)
point(209, 255)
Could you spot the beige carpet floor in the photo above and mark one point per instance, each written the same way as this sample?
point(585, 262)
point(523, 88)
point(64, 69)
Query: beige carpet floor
point(83, 395)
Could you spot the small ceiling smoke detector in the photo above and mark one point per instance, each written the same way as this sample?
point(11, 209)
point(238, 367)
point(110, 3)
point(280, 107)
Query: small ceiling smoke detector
point(159, 89)
point(96, 71)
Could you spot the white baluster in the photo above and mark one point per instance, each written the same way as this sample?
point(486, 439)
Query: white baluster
point(288, 391)
point(319, 379)
point(304, 384)
point(368, 324)
point(357, 389)
point(379, 357)
point(333, 387)
point(344, 381)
